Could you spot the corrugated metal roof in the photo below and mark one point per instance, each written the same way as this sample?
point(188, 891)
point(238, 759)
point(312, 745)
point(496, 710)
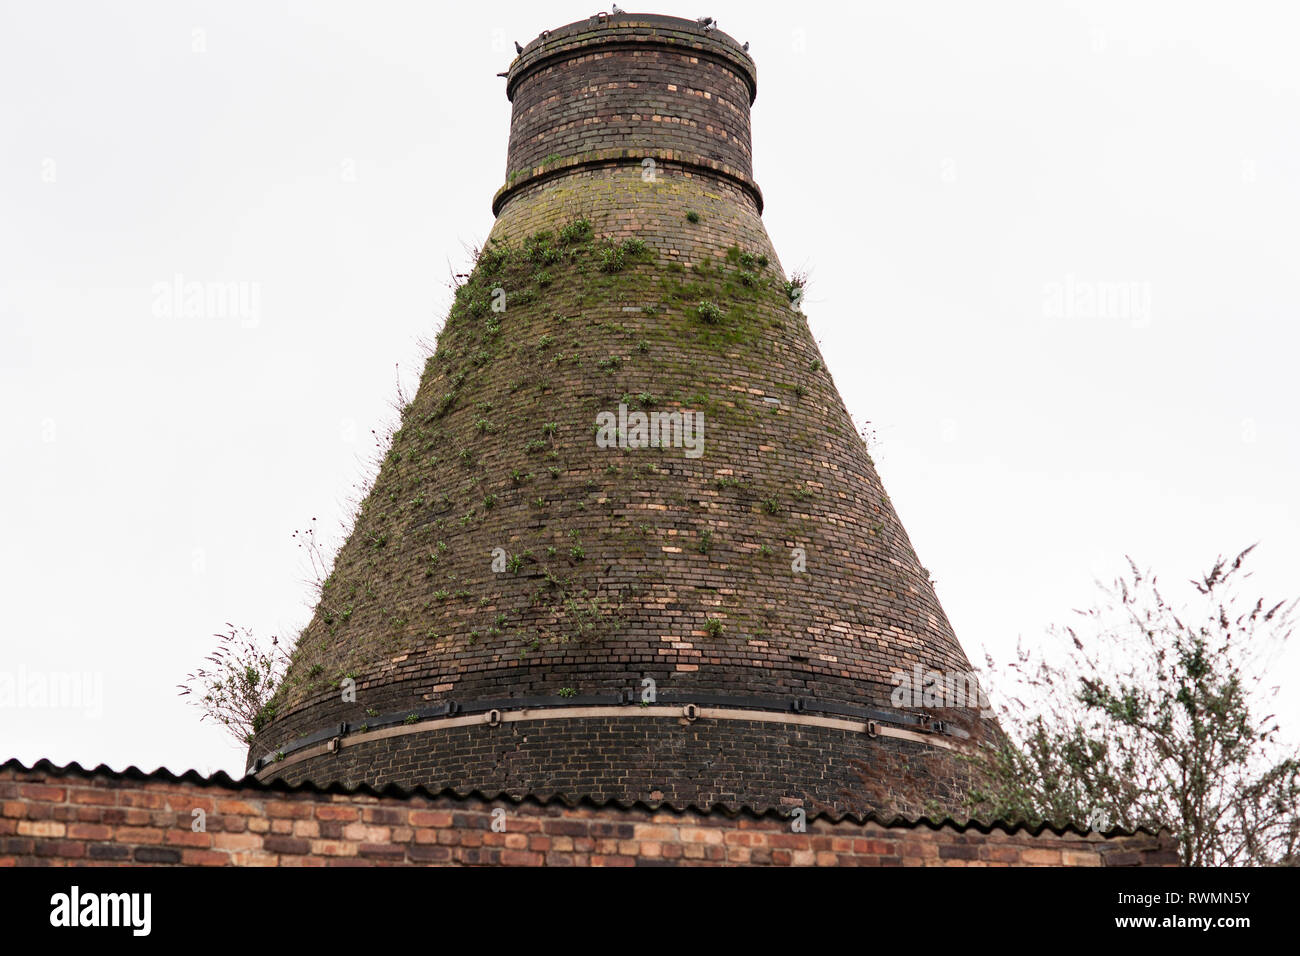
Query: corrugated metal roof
point(251, 784)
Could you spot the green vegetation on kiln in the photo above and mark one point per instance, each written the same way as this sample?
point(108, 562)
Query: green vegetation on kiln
point(544, 331)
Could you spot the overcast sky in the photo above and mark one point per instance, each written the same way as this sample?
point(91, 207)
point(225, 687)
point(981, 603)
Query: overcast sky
point(1053, 252)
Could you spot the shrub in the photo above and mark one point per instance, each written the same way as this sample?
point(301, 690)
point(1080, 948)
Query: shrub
point(709, 311)
point(612, 259)
point(236, 687)
point(577, 231)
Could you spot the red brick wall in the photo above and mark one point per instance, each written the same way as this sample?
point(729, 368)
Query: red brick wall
point(69, 816)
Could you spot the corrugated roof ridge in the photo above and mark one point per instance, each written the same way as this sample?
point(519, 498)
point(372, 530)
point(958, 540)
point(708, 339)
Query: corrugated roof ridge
point(394, 791)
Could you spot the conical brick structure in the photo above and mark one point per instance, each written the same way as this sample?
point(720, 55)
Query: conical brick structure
point(538, 596)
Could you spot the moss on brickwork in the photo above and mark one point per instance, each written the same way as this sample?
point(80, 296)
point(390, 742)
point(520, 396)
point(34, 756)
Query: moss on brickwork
point(497, 451)
point(399, 585)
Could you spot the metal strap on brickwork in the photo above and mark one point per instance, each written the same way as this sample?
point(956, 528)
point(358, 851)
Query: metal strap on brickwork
point(632, 158)
point(690, 706)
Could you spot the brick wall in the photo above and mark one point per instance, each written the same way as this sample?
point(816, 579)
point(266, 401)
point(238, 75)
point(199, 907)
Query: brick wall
point(70, 816)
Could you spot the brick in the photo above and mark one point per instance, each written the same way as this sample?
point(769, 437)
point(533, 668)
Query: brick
point(384, 815)
point(429, 818)
point(1080, 858)
point(62, 849)
point(192, 857)
point(299, 810)
point(39, 793)
point(336, 812)
point(1039, 857)
point(41, 828)
point(333, 848)
point(236, 807)
point(188, 838)
point(102, 851)
point(251, 858)
point(429, 854)
point(186, 804)
point(89, 831)
point(138, 835)
point(157, 854)
point(521, 858)
point(286, 844)
point(142, 799)
point(386, 851)
point(236, 841)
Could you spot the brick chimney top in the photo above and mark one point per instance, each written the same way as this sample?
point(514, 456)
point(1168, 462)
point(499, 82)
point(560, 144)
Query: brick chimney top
point(627, 89)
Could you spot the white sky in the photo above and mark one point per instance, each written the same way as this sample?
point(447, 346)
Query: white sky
point(937, 167)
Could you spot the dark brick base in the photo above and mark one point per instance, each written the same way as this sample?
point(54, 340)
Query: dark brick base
point(733, 762)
